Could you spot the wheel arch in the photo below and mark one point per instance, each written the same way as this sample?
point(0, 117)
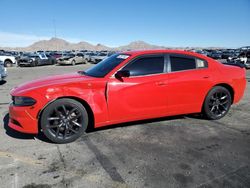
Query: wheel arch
point(91, 122)
point(228, 87)
point(7, 59)
point(225, 85)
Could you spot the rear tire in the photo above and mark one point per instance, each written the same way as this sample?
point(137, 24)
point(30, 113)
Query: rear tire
point(64, 120)
point(217, 103)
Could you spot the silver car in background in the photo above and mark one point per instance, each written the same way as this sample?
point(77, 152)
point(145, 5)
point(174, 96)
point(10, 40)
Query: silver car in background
point(71, 59)
point(3, 71)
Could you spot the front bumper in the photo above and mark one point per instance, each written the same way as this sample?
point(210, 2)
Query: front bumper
point(24, 63)
point(20, 119)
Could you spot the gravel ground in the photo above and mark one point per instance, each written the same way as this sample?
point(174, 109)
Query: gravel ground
point(183, 151)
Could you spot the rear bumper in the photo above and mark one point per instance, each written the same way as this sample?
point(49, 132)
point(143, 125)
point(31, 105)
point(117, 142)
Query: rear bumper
point(64, 62)
point(21, 120)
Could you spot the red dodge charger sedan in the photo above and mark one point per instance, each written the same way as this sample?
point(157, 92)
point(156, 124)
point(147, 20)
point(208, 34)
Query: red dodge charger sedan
point(126, 87)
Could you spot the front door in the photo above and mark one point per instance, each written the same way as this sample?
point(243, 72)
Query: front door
point(141, 95)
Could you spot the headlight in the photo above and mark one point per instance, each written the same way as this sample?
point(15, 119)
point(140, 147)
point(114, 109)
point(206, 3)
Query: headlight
point(30, 60)
point(23, 101)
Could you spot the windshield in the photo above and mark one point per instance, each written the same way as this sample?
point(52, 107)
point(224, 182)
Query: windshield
point(105, 66)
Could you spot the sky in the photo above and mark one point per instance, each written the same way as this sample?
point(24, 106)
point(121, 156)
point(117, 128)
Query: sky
point(175, 23)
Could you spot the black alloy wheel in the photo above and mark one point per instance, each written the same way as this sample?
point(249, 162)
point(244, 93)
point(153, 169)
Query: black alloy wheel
point(217, 103)
point(64, 120)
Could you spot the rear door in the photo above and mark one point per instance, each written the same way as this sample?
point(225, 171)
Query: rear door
point(142, 94)
point(189, 81)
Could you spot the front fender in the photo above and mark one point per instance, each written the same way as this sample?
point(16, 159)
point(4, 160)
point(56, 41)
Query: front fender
point(92, 94)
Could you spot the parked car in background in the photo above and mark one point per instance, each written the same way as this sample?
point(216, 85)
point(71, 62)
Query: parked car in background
point(35, 59)
point(52, 60)
point(243, 57)
point(89, 55)
point(7, 59)
point(3, 71)
point(225, 54)
point(98, 57)
point(203, 52)
point(55, 54)
point(215, 54)
point(126, 87)
point(71, 59)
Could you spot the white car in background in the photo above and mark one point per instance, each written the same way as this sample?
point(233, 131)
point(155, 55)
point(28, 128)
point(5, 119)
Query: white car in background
point(3, 71)
point(8, 60)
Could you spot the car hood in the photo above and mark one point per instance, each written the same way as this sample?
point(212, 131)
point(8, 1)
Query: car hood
point(65, 58)
point(48, 81)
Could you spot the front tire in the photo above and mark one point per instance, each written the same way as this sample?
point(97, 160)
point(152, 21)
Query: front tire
point(7, 63)
point(64, 120)
point(217, 103)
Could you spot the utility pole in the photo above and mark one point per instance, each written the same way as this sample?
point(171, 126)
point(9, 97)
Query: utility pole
point(54, 24)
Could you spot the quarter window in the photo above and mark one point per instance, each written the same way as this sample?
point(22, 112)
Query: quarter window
point(182, 63)
point(146, 66)
point(200, 63)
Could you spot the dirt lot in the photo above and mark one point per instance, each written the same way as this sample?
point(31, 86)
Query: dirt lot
point(183, 151)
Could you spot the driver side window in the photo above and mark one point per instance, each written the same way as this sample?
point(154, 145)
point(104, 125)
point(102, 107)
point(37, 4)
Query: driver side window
point(146, 66)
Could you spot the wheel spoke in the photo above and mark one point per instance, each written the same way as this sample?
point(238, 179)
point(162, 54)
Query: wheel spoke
point(51, 126)
point(71, 111)
point(223, 97)
point(225, 102)
point(74, 131)
point(223, 107)
point(57, 132)
point(75, 117)
point(219, 111)
point(65, 133)
point(64, 110)
point(57, 112)
point(77, 124)
point(53, 118)
point(212, 109)
point(213, 98)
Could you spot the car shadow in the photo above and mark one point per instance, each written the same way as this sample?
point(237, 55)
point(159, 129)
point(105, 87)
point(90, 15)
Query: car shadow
point(18, 135)
point(139, 122)
point(2, 82)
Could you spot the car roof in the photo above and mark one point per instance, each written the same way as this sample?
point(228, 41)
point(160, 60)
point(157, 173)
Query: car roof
point(145, 52)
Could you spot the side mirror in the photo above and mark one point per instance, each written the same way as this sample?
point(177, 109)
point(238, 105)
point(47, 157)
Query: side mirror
point(122, 73)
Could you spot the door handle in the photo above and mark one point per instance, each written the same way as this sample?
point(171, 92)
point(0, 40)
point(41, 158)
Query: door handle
point(205, 77)
point(161, 83)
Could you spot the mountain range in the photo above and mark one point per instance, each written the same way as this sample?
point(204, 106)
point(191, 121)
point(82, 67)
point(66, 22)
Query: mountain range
point(60, 44)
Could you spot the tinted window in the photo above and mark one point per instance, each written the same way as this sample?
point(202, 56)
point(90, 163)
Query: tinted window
point(145, 66)
point(79, 54)
point(107, 65)
point(182, 63)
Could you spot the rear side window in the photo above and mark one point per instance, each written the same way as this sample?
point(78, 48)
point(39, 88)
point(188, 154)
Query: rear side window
point(182, 63)
point(146, 66)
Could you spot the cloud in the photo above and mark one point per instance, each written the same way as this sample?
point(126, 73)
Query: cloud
point(8, 39)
